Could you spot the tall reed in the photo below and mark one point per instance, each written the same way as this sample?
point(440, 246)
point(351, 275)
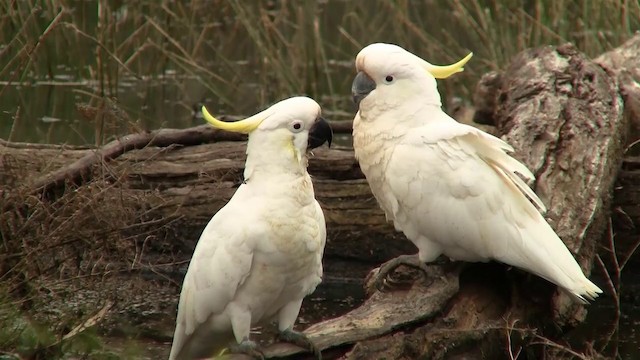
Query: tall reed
point(238, 56)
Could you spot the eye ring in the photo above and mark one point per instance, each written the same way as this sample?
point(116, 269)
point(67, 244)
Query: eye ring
point(296, 126)
point(388, 79)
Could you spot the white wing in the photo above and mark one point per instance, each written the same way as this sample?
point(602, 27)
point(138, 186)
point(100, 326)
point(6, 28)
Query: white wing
point(323, 240)
point(220, 264)
point(456, 186)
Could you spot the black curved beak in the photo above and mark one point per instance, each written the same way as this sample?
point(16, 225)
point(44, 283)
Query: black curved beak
point(361, 87)
point(319, 133)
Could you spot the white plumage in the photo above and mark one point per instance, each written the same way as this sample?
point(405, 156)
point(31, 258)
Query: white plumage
point(451, 188)
point(261, 254)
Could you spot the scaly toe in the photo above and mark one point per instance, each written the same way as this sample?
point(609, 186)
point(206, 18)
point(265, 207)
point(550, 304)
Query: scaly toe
point(248, 347)
point(300, 339)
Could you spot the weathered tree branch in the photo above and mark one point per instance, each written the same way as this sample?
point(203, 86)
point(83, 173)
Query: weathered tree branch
point(564, 116)
point(163, 137)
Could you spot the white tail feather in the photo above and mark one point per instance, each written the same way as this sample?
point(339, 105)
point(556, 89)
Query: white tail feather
point(492, 150)
point(552, 260)
point(546, 254)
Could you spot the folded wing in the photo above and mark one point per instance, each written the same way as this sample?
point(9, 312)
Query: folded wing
point(220, 264)
point(457, 186)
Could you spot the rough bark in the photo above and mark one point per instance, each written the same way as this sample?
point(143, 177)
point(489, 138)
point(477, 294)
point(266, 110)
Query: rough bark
point(564, 116)
point(561, 111)
point(622, 63)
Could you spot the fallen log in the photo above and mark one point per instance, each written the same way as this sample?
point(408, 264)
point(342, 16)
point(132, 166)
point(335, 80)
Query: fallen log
point(373, 318)
point(161, 138)
point(188, 184)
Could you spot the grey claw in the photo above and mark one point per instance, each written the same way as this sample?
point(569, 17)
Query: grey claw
point(248, 347)
point(382, 281)
point(300, 339)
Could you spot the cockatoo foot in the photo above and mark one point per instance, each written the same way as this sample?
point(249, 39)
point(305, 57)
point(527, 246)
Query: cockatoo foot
point(300, 339)
point(248, 347)
point(381, 280)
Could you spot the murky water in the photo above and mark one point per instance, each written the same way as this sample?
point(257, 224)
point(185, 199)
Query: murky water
point(158, 62)
point(600, 322)
point(47, 112)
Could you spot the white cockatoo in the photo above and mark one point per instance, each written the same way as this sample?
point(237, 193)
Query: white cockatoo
point(261, 254)
point(451, 188)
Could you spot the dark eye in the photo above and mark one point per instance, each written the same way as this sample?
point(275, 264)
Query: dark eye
point(296, 126)
point(388, 79)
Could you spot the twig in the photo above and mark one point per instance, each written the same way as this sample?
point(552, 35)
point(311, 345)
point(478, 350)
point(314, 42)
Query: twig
point(614, 286)
point(104, 48)
point(16, 120)
point(508, 331)
point(548, 342)
point(26, 145)
point(91, 321)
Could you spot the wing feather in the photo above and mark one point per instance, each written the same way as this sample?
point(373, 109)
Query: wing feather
point(220, 264)
point(458, 187)
point(489, 148)
point(507, 165)
point(453, 198)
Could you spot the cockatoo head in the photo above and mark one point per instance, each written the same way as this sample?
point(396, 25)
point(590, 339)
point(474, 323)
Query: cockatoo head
point(391, 72)
point(291, 126)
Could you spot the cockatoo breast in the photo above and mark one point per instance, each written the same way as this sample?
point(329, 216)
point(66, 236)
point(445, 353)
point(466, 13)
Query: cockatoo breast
point(373, 144)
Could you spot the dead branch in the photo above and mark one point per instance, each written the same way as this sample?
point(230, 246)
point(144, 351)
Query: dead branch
point(382, 313)
point(163, 137)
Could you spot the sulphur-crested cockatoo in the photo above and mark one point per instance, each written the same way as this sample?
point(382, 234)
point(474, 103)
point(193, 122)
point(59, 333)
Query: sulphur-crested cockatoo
point(451, 188)
point(261, 254)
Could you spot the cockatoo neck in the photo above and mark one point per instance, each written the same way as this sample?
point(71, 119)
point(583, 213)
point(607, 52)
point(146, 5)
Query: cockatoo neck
point(428, 94)
point(432, 102)
point(419, 91)
point(390, 114)
point(405, 98)
point(266, 157)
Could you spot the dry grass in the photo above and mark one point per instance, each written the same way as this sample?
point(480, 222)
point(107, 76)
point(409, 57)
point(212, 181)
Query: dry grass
point(239, 56)
point(53, 248)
